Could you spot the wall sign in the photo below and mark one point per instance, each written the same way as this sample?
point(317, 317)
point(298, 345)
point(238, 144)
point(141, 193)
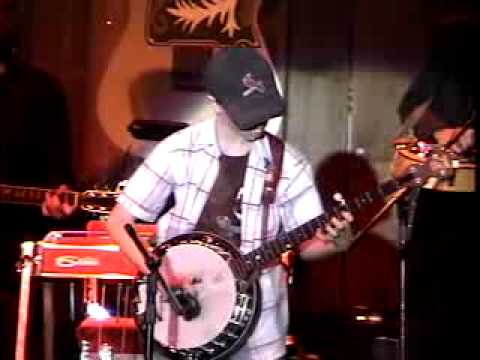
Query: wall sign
point(202, 22)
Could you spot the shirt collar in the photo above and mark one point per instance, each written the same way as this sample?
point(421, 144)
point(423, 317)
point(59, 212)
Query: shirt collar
point(207, 139)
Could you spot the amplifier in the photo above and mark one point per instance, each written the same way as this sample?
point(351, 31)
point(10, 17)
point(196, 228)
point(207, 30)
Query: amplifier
point(82, 254)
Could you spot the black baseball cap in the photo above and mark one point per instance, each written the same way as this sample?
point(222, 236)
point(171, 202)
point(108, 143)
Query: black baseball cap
point(242, 82)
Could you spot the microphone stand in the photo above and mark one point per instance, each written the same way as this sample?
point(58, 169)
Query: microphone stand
point(153, 265)
point(406, 213)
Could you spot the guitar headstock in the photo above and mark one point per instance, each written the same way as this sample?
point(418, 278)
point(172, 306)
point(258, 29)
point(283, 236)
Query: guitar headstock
point(98, 201)
point(437, 166)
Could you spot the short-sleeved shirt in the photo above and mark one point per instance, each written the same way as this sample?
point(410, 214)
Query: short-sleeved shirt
point(187, 164)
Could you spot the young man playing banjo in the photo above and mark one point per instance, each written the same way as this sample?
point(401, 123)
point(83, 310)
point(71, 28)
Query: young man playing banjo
point(236, 189)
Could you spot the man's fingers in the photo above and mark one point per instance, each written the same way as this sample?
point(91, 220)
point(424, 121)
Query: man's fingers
point(67, 209)
point(54, 204)
point(347, 216)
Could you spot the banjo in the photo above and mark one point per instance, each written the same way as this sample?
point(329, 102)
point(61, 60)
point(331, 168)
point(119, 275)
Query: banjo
point(218, 287)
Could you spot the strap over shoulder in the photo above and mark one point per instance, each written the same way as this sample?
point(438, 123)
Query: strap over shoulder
point(271, 180)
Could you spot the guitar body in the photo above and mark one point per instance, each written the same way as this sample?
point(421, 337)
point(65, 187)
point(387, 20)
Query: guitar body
point(206, 273)
point(146, 52)
point(134, 72)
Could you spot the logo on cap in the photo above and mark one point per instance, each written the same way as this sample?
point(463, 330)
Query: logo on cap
point(252, 85)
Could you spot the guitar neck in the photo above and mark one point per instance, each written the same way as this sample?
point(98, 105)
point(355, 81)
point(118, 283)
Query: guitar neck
point(272, 250)
point(30, 195)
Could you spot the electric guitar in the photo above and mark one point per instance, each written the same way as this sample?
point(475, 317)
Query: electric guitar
point(94, 201)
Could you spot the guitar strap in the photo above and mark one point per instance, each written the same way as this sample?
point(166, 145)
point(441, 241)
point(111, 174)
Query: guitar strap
point(271, 178)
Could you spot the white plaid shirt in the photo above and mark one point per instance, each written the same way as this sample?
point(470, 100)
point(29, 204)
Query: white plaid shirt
point(187, 164)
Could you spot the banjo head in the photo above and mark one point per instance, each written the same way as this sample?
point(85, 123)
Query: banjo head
point(203, 274)
point(207, 271)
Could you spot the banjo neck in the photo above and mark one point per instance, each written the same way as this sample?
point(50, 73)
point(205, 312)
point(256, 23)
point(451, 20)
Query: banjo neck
point(270, 251)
